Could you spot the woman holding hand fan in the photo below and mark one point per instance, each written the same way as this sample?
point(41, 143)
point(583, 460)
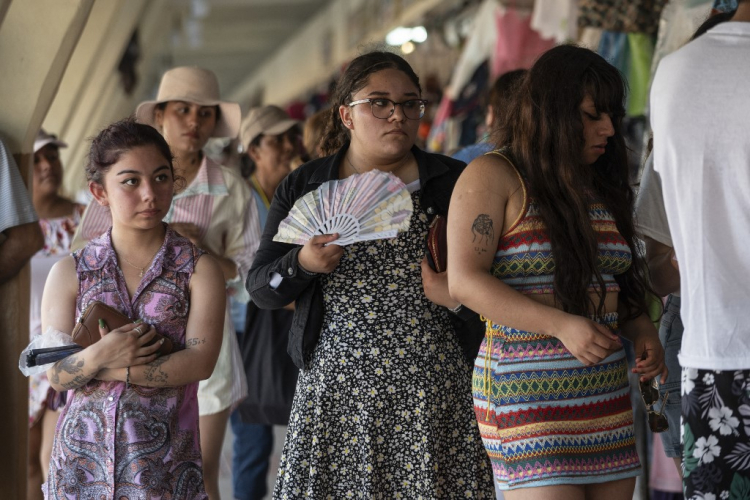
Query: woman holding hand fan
point(383, 404)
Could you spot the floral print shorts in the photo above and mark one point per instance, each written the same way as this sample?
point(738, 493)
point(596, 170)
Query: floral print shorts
point(716, 434)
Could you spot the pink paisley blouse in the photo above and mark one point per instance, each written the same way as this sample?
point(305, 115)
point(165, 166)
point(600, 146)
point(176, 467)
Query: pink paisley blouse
point(114, 441)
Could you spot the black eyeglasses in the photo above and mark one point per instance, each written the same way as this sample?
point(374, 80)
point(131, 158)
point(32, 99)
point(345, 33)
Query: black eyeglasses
point(383, 108)
point(657, 421)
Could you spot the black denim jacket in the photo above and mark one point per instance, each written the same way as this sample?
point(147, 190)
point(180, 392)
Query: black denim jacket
point(437, 174)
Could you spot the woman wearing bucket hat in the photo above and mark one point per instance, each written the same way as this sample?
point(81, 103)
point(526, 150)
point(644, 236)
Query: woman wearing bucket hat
point(58, 218)
point(214, 212)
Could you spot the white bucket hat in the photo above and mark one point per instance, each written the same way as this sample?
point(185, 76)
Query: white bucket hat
point(194, 85)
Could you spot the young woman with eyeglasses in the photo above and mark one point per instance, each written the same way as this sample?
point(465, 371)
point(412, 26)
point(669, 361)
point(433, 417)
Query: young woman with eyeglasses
point(383, 401)
point(541, 235)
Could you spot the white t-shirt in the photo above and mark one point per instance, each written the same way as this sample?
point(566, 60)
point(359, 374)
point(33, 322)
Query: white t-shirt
point(700, 115)
point(15, 203)
point(650, 215)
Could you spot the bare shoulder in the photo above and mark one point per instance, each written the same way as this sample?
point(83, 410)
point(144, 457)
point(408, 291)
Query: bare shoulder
point(490, 172)
point(63, 275)
point(207, 274)
point(206, 266)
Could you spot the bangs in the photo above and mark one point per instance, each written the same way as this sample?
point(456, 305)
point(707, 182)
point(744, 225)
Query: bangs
point(607, 90)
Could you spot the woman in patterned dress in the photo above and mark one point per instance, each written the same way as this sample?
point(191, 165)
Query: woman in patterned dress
point(58, 218)
point(130, 426)
point(383, 403)
point(541, 238)
point(215, 212)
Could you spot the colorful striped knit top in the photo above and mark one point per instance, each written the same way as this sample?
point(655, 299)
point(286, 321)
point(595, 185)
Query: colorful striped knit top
point(524, 260)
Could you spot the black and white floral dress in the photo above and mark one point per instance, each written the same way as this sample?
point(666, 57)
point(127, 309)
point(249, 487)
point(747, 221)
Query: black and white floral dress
point(383, 408)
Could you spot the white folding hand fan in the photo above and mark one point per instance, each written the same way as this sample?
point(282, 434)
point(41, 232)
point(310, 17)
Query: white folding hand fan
point(370, 206)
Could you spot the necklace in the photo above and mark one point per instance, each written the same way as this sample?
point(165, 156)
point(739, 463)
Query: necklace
point(141, 269)
point(350, 164)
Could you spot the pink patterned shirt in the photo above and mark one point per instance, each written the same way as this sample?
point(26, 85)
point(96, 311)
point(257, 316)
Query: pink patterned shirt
point(115, 442)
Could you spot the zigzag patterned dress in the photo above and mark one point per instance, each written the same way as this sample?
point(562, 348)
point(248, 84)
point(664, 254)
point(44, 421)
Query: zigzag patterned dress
point(545, 418)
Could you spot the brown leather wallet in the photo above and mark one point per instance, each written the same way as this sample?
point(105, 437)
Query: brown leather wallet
point(86, 331)
point(437, 246)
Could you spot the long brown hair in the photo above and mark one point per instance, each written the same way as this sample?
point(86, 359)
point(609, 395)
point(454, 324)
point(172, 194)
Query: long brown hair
point(355, 78)
point(544, 132)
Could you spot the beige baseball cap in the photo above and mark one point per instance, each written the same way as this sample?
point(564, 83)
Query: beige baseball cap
point(268, 120)
point(43, 138)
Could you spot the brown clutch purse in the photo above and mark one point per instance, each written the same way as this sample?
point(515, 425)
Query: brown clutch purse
point(437, 247)
point(86, 331)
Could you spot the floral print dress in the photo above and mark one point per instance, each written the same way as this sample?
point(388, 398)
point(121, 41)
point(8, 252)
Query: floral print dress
point(383, 408)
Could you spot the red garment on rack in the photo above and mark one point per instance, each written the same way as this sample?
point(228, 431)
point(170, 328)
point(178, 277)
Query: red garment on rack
point(518, 45)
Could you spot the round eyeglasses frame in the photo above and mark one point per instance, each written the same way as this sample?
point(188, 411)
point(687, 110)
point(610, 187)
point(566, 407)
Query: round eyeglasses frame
point(379, 104)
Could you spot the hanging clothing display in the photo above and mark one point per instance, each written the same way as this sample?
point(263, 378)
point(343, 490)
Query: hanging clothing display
point(517, 45)
point(725, 5)
point(590, 38)
point(631, 54)
point(477, 49)
point(639, 71)
point(678, 22)
point(556, 19)
point(629, 16)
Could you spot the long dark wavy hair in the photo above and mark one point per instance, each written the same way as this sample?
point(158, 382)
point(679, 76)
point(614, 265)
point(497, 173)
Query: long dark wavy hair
point(543, 130)
point(354, 79)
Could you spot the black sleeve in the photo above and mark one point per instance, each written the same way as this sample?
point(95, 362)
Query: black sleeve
point(275, 257)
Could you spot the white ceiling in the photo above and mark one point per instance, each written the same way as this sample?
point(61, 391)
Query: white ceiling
point(232, 37)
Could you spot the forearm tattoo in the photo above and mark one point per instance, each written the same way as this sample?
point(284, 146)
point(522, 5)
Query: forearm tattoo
point(154, 373)
point(192, 342)
point(73, 366)
point(484, 233)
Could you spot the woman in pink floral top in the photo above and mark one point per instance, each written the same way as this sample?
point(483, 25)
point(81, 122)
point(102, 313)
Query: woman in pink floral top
point(58, 217)
point(130, 426)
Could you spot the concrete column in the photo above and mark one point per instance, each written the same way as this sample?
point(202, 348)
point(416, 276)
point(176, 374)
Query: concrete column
point(37, 38)
point(110, 33)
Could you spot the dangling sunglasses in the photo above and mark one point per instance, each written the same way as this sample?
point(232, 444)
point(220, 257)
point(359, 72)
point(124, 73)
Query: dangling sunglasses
point(657, 421)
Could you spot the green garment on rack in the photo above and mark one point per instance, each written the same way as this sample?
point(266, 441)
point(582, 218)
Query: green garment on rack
point(640, 54)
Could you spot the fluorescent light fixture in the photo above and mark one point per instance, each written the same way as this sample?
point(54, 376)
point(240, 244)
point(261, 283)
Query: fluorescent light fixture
point(401, 35)
point(398, 36)
point(418, 34)
point(407, 48)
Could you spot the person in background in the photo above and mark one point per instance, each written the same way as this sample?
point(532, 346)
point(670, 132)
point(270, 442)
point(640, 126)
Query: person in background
point(130, 426)
point(700, 101)
point(215, 213)
point(20, 236)
point(541, 243)
point(383, 403)
point(652, 226)
point(313, 131)
point(58, 218)
point(500, 99)
point(270, 139)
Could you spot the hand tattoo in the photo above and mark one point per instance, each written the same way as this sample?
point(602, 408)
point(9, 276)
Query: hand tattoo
point(482, 227)
point(154, 374)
